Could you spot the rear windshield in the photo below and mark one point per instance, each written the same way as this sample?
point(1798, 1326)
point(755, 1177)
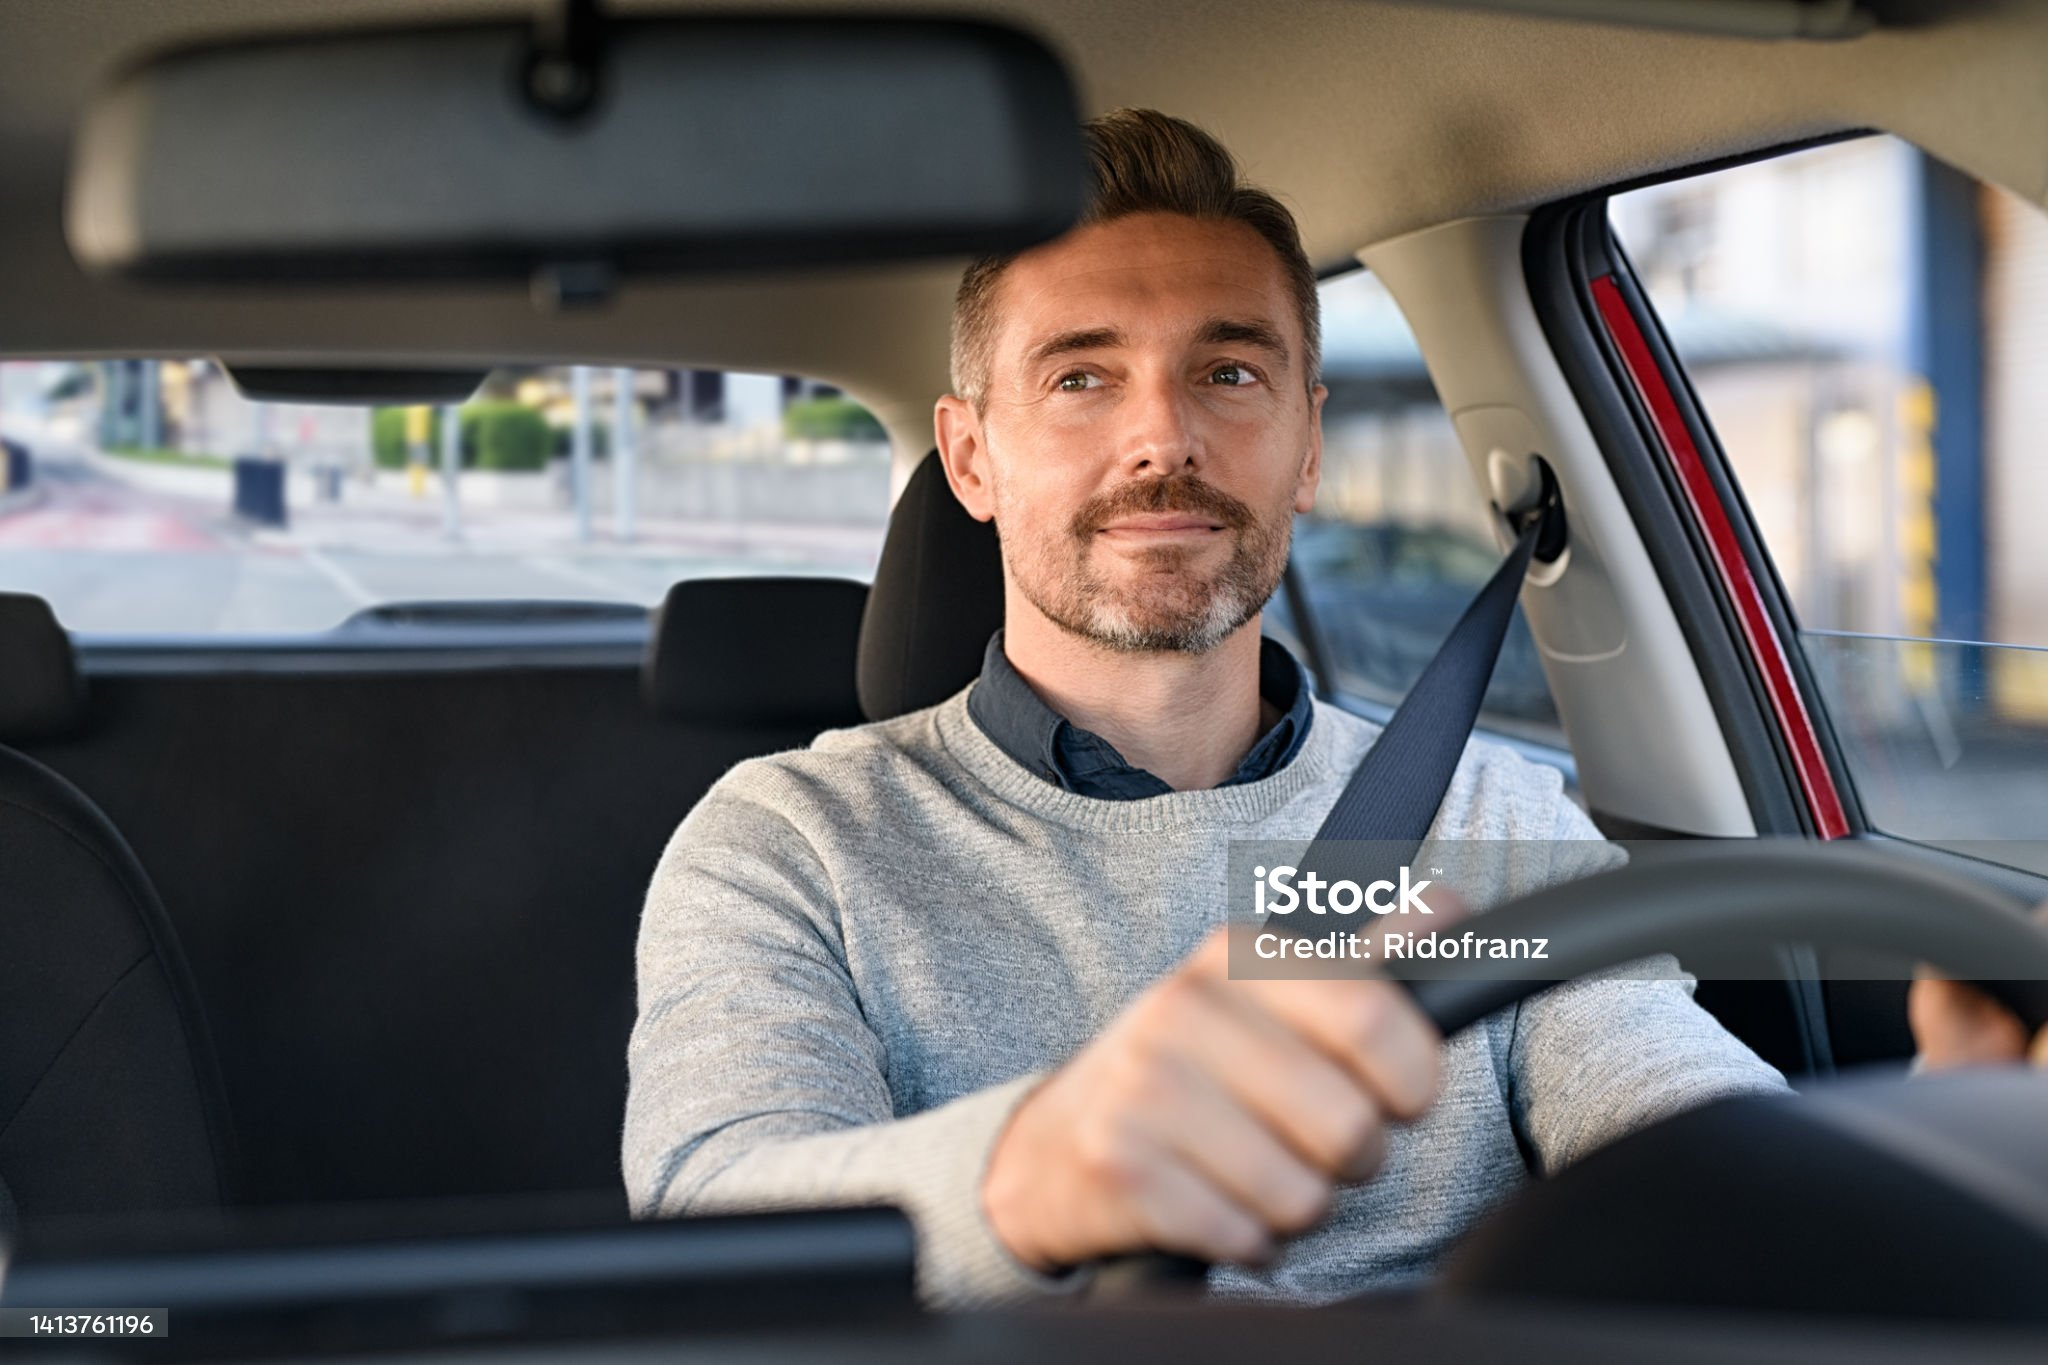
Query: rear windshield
point(148, 497)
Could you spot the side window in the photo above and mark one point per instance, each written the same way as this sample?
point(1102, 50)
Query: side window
point(149, 497)
point(1398, 544)
point(1867, 330)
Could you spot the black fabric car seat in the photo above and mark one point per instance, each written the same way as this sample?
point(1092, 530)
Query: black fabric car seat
point(772, 653)
point(110, 1095)
point(936, 599)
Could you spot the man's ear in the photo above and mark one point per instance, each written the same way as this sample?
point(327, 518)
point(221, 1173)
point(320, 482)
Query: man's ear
point(963, 451)
point(1312, 463)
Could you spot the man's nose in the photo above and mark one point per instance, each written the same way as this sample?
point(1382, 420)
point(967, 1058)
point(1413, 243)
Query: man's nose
point(1161, 429)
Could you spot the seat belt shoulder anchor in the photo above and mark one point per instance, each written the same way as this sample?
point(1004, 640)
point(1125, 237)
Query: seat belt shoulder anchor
point(1545, 510)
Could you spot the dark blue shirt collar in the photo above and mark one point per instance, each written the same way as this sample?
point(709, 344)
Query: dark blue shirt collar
point(1019, 722)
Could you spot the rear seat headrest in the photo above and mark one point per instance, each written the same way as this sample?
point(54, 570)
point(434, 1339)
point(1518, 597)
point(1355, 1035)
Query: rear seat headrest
point(756, 651)
point(938, 597)
point(41, 693)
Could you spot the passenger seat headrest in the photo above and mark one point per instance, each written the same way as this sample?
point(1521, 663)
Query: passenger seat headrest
point(773, 652)
point(937, 598)
point(41, 693)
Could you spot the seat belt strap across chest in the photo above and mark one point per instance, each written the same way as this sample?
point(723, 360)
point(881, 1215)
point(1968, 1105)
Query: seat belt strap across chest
point(1393, 795)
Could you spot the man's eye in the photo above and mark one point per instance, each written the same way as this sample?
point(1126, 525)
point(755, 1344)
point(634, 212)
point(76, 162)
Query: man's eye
point(1076, 382)
point(1232, 376)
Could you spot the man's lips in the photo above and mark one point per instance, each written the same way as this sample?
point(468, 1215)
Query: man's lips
point(1161, 523)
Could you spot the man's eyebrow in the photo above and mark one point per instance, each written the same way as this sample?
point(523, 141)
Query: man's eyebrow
point(1214, 332)
point(1080, 339)
point(1243, 332)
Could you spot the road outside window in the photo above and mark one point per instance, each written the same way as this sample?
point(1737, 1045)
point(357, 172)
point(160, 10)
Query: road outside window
point(147, 497)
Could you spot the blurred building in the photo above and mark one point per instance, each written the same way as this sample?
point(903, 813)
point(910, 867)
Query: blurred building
point(1867, 330)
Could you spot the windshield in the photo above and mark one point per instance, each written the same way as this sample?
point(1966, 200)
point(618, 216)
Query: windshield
point(150, 498)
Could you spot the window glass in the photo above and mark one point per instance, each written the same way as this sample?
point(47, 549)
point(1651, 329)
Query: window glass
point(1867, 330)
point(148, 497)
point(1398, 544)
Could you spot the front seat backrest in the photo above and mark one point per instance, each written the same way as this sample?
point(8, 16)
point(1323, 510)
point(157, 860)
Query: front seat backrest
point(764, 653)
point(110, 1095)
point(936, 600)
point(40, 691)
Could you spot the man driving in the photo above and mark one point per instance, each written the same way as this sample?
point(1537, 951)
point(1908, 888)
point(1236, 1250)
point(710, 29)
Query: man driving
point(970, 962)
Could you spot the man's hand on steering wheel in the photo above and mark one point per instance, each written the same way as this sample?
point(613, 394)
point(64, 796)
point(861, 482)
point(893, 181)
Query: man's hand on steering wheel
point(1956, 1025)
point(1212, 1117)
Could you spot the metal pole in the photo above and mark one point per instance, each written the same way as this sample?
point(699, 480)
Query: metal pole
point(579, 450)
point(113, 394)
point(152, 433)
point(451, 471)
point(625, 455)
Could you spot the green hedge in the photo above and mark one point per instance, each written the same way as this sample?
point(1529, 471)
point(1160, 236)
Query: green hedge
point(506, 436)
point(830, 419)
point(600, 440)
point(495, 435)
point(387, 438)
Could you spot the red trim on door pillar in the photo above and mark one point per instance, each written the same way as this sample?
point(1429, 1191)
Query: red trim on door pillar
point(1795, 722)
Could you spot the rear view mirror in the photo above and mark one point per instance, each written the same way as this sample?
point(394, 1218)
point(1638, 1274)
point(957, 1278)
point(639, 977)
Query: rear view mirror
point(669, 145)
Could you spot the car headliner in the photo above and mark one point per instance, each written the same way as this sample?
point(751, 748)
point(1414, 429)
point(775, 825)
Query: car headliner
point(1372, 119)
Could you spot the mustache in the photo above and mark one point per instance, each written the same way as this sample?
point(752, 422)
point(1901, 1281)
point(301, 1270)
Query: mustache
point(1182, 493)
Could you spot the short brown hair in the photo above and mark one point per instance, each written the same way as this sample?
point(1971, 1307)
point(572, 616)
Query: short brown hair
point(1143, 161)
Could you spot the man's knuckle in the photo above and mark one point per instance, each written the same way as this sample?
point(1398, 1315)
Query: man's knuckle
point(1153, 1088)
point(1423, 1080)
point(1369, 1154)
point(1346, 1126)
point(1299, 1204)
point(1109, 1152)
point(1240, 1240)
point(1208, 1227)
point(1366, 1016)
point(1172, 1004)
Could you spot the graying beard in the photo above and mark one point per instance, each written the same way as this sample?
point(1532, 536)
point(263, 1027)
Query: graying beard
point(1105, 622)
point(1112, 627)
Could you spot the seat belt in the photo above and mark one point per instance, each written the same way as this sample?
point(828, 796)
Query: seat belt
point(1393, 795)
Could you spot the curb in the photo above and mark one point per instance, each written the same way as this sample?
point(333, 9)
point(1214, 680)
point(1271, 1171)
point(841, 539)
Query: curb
point(203, 484)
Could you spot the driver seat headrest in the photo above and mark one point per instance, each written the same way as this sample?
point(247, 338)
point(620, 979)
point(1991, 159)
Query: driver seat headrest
point(936, 600)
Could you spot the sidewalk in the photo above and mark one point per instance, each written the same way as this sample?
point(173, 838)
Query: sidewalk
point(383, 518)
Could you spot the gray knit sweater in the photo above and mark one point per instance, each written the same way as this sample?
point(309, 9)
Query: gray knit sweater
point(857, 958)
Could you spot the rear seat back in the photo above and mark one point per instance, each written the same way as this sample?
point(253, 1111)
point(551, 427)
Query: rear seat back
point(409, 898)
point(110, 1097)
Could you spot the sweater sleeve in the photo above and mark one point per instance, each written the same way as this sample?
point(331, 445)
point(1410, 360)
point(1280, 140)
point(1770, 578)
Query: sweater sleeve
point(755, 1081)
point(1595, 1059)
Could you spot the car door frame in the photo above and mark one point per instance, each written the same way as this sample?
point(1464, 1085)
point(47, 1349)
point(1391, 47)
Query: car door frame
point(1707, 548)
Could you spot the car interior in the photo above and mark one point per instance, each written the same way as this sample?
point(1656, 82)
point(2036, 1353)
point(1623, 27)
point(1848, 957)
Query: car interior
point(351, 914)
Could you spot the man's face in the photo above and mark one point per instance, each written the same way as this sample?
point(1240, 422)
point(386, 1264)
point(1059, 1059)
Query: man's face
point(1147, 434)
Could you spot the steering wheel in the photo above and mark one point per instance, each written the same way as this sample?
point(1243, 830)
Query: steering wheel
point(1714, 897)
